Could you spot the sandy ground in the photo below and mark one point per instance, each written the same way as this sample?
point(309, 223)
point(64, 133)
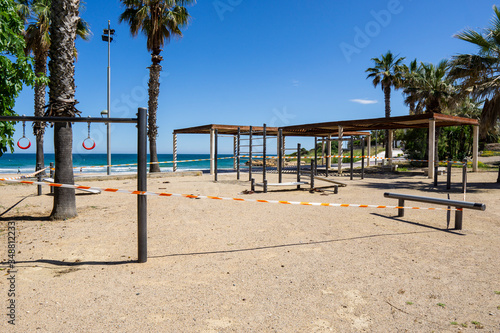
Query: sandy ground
point(226, 266)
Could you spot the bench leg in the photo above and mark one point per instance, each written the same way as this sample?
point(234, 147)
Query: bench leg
point(252, 185)
point(265, 185)
point(336, 189)
point(458, 218)
point(401, 211)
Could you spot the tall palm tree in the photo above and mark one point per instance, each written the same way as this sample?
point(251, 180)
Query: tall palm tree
point(38, 43)
point(158, 20)
point(388, 72)
point(479, 74)
point(63, 18)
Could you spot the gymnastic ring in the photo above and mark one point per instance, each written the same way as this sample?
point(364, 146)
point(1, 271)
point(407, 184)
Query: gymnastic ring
point(19, 143)
point(88, 148)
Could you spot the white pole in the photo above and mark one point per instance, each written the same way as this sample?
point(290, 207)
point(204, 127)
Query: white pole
point(432, 144)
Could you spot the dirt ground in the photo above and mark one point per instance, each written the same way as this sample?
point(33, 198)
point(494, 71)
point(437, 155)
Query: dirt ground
point(228, 266)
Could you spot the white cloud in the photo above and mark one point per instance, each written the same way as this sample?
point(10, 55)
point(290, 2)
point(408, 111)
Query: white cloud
point(364, 101)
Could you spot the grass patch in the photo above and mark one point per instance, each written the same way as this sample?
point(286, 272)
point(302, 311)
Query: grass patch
point(477, 325)
point(497, 292)
point(441, 305)
point(409, 303)
point(488, 153)
point(453, 323)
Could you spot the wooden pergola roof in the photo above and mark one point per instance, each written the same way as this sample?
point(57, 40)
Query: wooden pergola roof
point(233, 130)
point(417, 121)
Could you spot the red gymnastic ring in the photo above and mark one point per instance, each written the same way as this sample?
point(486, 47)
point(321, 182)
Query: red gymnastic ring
point(25, 147)
point(88, 148)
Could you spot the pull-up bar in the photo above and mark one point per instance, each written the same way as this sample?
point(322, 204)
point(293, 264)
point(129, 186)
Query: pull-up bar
point(141, 122)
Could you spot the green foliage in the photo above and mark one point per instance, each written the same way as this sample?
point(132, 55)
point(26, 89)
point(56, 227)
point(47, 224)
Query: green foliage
point(15, 68)
point(455, 142)
point(415, 143)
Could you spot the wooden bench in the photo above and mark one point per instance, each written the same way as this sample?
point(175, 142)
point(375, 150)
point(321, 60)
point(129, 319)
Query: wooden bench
point(459, 205)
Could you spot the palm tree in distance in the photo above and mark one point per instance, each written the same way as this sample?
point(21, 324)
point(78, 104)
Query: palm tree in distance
point(159, 20)
point(388, 72)
point(479, 74)
point(37, 37)
point(410, 74)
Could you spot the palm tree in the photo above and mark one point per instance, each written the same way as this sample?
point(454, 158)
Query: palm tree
point(388, 72)
point(63, 18)
point(159, 20)
point(479, 74)
point(410, 74)
point(38, 43)
point(432, 91)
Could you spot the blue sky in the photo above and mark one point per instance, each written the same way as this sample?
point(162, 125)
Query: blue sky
point(241, 63)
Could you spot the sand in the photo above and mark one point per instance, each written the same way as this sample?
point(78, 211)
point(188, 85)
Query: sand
point(226, 266)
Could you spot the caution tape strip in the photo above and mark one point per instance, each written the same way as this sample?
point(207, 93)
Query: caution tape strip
point(191, 196)
point(132, 164)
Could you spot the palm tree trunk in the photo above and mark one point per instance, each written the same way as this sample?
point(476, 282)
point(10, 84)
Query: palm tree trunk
point(38, 126)
point(387, 99)
point(64, 14)
point(154, 91)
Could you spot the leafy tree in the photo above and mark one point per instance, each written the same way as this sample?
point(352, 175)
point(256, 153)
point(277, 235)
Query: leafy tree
point(15, 68)
point(37, 16)
point(158, 20)
point(63, 18)
point(388, 72)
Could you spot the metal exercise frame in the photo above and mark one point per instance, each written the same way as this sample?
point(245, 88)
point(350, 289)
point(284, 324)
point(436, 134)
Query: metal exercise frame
point(141, 122)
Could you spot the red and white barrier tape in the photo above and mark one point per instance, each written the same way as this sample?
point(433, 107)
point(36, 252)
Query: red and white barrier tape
point(191, 196)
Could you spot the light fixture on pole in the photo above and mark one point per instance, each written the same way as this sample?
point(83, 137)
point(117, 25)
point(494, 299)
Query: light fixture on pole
point(108, 37)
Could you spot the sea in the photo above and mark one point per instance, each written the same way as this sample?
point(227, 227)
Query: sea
point(25, 163)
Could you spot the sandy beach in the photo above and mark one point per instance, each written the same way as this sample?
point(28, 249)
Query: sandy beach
point(227, 266)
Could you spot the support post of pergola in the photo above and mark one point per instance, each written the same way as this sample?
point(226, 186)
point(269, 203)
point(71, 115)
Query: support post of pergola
point(329, 152)
point(341, 136)
point(432, 144)
point(390, 144)
point(175, 153)
point(475, 147)
point(369, 148)
point(212, 151)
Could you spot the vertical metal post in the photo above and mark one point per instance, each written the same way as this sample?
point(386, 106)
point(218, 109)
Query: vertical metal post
point(312, 174)
point(464, 178)
point(280, 155)
point(432, 145)
point(51, 173)
point(264, 162)
point(315, 155)
point(352, 155)
point(298, 165)
point(458, 218)
point(436, 175)
point(448, 175)
point(363, 158)
point(401, 211)
point(39, 178)
point(108, 125)
point(142, 185)
point(175, 152)
point(216, 153)
point(212, 151)
point(250, 144)
point(238, 155)
point(340, 142)
point(369, 152)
